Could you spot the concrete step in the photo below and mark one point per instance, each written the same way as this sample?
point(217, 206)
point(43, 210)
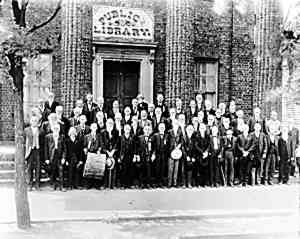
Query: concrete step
point(7, 174)
point(7, 165)
point(7, 182)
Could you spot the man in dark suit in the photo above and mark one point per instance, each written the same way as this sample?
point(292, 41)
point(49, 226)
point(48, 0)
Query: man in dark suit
point(175, 140)
point(92, 144)
point(201, 172)
point(127, 147)
point(229, 154)
point(189, 155)
point(82, 129)
point(55, 156)
point(44, 111)
point(258, 151)
point(74, 120)
point(179, 107)
point(191, 112)
point(89, 109)
point(158, 118)
point(294, 133)
point(208, 110)
point(144, 151)
point(62, 120)
point(246, 162)
point(142, 105)
point(161, 104)
point(51, 104)
point(74, 149)
point(110, 147)
point(216, 155)
point(256, 118)
point(161, 151)
point(33, 137)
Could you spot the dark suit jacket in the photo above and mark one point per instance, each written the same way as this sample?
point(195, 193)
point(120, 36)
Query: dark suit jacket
point(160, 145)
point(64, 126)
point(252, 121)
point(164, 109)
point(51, 107)
point(81, 133)
point(259, 146)
point(285, 149)
point(107, 143)
point(127, 149)
point(50, 148)
point(143, 148)
point(74, 151)
point(90, 114)
point(174, 140)
point(201, 143)
point(189, 115)
point(189, 146)
point(243, 144)
point(92, 145)
point(212, 151)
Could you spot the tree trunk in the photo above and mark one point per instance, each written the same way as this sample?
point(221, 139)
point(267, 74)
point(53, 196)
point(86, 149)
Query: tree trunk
point(21, 197)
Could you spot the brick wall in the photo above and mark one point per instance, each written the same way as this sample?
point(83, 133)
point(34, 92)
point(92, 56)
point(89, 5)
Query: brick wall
point(213, 40)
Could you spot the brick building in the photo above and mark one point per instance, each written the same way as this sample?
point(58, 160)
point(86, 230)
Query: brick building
point(117, 49)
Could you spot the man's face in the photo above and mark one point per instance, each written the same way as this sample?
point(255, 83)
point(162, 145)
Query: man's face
point(34, 121)
point(147, 130)
point(59, 111)
point(199, 98)
point(226, 122)
point(151, 108)
point(143, 114)
point(274, 115)
point(76, 113)
point(134, 103)
point(214, 131)
point(79, 104)
point(110, 124)
point(82, 119)
point(127, 129)
point(257, 127)
point(115, 104)
point(160, 98)
point(127, 111)
point(100, 102)
point(202, 128)
point(181, 119)
point(93, 127)
point(172, 113)
point(232, 107)
point(210, 120)
point(200, 115)
point(178, 104)
point(161, 128)
point(207, 105)
point(89, 98)
point(193, 104)
point(218, 113)
point(158, 111)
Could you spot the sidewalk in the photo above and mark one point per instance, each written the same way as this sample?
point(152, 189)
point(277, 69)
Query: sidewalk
point(107, 205)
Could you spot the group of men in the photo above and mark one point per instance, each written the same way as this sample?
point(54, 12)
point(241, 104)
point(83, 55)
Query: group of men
point(152, 145)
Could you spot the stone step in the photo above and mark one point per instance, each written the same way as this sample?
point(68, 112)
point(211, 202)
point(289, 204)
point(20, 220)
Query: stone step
point(7, 174)
point(7, 153)
point(7, 165)
point(7, 182)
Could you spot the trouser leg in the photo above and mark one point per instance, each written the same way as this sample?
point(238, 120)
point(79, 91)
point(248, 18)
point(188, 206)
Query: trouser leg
point(170, 171)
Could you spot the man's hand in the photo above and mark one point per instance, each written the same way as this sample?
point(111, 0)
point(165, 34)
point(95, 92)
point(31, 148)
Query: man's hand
point(47, 161)
point(264, 156)
point(205, 154)
point(63, 161)
point(85, 151)
point(188, 159)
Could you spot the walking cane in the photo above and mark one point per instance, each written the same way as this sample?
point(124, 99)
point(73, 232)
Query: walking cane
point(223, 177)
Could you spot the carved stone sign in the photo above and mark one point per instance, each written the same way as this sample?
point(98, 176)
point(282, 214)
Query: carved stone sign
point(122, 23)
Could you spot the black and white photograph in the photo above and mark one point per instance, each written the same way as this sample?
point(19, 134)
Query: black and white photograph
point(149, 119)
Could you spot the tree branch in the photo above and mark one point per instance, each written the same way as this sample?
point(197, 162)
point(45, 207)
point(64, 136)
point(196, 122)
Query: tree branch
point(35, 27)
point(16, 11)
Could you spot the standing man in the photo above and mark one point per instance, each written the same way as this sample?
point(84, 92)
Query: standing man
point(144, 151)
point(62, 120)
point(161, 152)
point(89, 109)
point(32, 152)
point(256, 118)
point(294, 133)
point(259, 151)
point(161, 104)
point(229, 144)
point(175, 141)
point(55, 156)
point(51, 104)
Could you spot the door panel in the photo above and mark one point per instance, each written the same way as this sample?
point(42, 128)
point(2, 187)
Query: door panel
point(120, 81)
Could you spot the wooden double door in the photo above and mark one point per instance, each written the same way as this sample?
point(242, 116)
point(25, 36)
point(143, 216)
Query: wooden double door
point(121, 81)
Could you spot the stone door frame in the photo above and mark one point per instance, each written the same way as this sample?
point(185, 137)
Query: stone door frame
point(146, 76)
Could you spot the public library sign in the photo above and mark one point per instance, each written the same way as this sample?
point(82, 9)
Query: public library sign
point(122, 23)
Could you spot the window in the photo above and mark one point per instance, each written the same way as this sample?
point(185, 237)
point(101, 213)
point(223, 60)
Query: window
point(206, 80)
